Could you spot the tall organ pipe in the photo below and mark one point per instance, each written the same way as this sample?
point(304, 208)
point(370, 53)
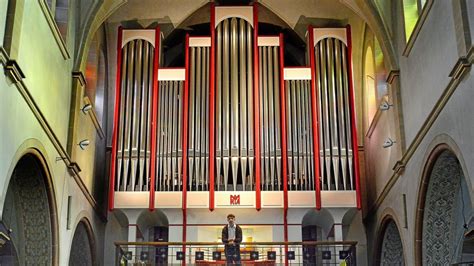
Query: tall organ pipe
point(198, 149)
point(134, 131)
point(334, 113)
point(234, 88)
point(269, 75)
point(299, 137)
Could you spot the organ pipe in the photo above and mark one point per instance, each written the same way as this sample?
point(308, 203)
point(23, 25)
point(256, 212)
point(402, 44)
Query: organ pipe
point(134, 131)
point(234, 129)
point(198, 149)
point(299, 137)
point(336, 152)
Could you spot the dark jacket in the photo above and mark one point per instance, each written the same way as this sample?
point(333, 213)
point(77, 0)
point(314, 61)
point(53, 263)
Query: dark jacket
point(238, 234)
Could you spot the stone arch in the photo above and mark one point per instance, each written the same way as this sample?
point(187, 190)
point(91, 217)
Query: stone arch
point(315, 226)
point(147, 222)
point(389, 244)
point(30, 211)
point(322, 219)
point(83, 247)
point(442, 200)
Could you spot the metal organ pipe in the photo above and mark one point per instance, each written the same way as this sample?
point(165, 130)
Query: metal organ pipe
point(346, 88)
point(198, 149)
point(219, 107)
point(243, 102)
point(169, 153)
point(249, 74)
point(234, 102)
point(334, 114)
point(269, 86)
point(134, 135)
point(225, 102)
point(234, 128)
point(299, 135)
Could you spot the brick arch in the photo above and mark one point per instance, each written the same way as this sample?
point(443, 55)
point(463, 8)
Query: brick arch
point(30, 211)
point(438, 207)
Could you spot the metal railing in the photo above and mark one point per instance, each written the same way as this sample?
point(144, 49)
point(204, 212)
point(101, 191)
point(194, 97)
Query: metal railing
point(251, 253)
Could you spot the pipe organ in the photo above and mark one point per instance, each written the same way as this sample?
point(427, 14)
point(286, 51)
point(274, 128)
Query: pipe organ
point(276, 129)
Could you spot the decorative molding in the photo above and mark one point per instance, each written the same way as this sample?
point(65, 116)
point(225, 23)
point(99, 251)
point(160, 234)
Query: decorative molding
point(74, 167)
point(392, 75)
point(419, 24)
point(399, 168)
point(80, 77)
point(54, 29)
point(93, 115)
point(13, 71)
point(3, 55)
point(461, 67)
point(376, 118)
point(48, 130)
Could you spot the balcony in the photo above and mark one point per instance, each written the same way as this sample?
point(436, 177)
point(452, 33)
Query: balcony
point(252, 253)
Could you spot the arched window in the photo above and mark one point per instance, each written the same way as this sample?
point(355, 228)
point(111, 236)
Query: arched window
point(59, 10)
point(411, 12)
point(370, 87)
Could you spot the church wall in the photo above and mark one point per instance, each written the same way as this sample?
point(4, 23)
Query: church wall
point(454, 127)
point(424, 73)
point(48, 83)
point(424, 76)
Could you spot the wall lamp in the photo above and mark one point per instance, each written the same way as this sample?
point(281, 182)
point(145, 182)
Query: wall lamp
point(388, 143)
point(86, 108)
point(4, 238)
point(384, 106)
point(5, 234)
point(83, 144)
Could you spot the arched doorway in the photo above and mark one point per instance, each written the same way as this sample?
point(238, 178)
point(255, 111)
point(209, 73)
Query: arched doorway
point(154, 227)
point(316, 226)
point(83, 245)
point(30, 213)
point(442, 205)
point(390, 245)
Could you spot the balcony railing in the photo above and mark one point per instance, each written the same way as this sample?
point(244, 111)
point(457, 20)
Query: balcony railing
point(251, 253)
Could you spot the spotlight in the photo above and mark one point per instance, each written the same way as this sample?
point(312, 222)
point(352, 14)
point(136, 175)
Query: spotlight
point(254, 255)
point(83, 144)
point(199, 255)
point(291, 255)
point(179, 255)
point(326, 254)
point(86, 108)
point(384, 106)
point(144, 256)
point(388, 143)
point(271, 255)
point(216, 255)
point(343, 254)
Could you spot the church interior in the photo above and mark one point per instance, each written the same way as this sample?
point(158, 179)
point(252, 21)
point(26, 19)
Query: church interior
point(337, 132)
